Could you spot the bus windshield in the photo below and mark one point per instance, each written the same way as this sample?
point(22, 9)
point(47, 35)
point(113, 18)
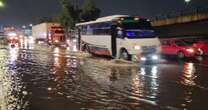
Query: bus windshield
point(137, 33)
point(138, 28)
point(134, 24)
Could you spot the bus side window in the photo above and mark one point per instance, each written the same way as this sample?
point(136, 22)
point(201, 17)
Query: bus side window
point(84, 30)
point(89, 30)
point(120, 34)
point(101, 29)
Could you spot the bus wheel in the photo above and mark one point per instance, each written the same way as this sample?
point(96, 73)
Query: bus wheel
point(84, 48)
point(124, 55)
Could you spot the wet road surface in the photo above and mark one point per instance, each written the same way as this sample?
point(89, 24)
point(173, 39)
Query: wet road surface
point(37, 77)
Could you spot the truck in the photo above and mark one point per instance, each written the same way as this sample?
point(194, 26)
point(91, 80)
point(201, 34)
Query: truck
point(51, 33)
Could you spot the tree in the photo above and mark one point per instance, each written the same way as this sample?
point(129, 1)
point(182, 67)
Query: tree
point(89, 11)
point(65, 17)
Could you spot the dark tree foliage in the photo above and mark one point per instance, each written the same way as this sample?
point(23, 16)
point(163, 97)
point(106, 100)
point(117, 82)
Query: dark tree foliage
point(3, 1)
point(89, 11)
point(66, 16)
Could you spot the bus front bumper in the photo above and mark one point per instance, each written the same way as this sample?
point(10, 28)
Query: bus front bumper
point(146, 58)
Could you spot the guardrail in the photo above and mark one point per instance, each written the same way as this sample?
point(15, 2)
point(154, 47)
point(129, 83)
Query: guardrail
point(180, 13)
point(198, 16)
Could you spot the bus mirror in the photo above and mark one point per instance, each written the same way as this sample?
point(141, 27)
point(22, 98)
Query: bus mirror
point(120, 34)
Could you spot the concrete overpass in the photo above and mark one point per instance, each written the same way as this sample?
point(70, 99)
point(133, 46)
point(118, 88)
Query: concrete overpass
point(195, 24)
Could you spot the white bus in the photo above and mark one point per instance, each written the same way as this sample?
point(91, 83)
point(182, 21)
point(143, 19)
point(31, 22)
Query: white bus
point(120, 36)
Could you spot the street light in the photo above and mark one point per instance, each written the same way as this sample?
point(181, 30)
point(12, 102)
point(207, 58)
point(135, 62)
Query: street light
point(1, 4)
point(187, 1)
point(23, 26)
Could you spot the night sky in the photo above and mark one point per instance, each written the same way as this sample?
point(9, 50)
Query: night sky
point(19, 12)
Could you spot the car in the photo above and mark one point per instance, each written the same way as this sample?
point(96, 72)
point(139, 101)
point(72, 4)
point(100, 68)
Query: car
point(200, 43)
point(181, 48)
point(203, 45)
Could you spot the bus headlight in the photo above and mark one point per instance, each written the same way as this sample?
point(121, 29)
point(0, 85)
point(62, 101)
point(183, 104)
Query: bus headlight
point(155, 57)
point(137, 47)
point(143, 59)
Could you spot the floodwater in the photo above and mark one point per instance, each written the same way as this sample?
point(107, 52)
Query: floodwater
point(37, 77)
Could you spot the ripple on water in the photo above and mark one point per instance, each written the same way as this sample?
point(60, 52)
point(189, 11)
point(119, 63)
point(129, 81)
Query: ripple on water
point(40, 79)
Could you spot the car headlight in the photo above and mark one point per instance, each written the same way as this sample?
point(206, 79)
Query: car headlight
point(143, 59)
point(155, 57)
point(137, 47)
point(16, 38)
point(12, 34)
point(190, 50)
point(56, 41)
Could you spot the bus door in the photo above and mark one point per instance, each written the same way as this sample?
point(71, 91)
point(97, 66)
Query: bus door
point(78, 33)
point(113, 41)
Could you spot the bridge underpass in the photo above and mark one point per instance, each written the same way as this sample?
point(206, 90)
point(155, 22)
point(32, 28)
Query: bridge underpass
point(188, 25)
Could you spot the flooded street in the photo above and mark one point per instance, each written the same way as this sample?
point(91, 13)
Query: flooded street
point(38, 77)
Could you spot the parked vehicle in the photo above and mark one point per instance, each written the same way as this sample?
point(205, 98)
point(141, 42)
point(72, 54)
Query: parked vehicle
point(51, 33)
point(179, 47)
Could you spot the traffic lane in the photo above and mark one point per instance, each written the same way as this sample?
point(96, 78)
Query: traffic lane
point(35, 79)
point(200, 60)
point(183, 86)
point(198, 64)
point(34, 76)
point(42, 78)
point(168, 85)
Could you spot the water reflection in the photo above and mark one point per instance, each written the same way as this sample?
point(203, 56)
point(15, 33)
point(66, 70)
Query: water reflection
point(57, 71)
point(13, 55)
point(72, 45)
point(13, 89)
point(3, 69)
point(149, 81)
point(27, 42)
point(62, 67)
point(188, 75)
point(128, 87)
point(58, 81)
